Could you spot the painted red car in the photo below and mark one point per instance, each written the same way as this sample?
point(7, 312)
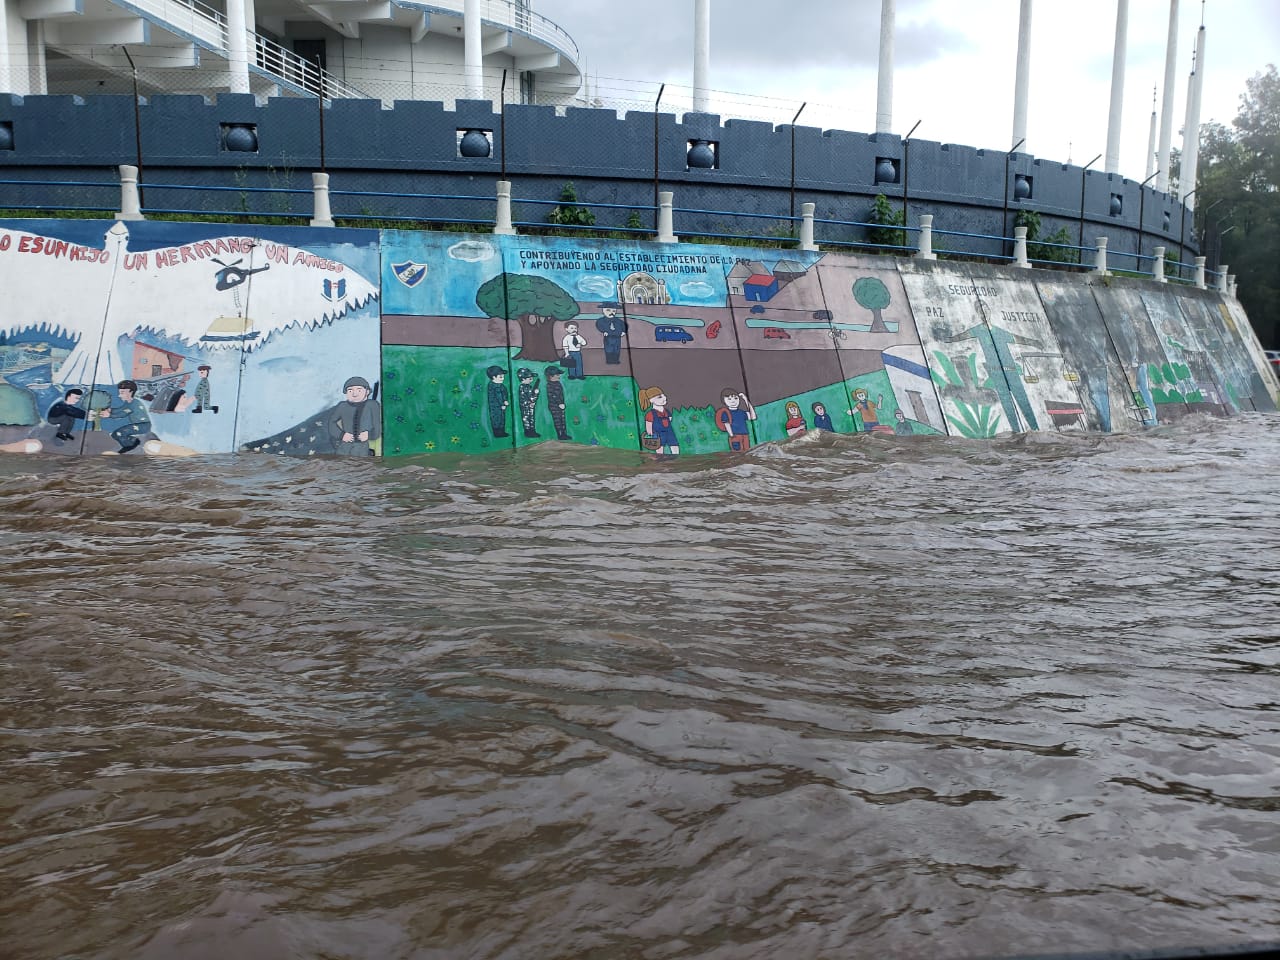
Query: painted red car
point(776, 333)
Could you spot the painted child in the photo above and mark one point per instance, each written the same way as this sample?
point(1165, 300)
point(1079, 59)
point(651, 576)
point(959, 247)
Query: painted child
point(867, 409)
point(821, 419)
point(528, 399)
point(795, 420)
point(733, 417)
point(555, 401)
point(657, 420)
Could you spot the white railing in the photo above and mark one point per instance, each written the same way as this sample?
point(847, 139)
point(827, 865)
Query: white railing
point(287, 67)
point(191, 17)
point(507, 13)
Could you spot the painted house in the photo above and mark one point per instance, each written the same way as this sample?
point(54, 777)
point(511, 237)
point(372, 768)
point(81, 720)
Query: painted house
point(760, 287)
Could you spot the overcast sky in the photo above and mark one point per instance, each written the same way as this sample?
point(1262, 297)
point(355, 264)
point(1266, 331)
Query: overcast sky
point(955, 63)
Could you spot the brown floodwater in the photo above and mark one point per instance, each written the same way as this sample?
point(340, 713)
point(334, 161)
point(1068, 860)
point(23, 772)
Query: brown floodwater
point(855, 697)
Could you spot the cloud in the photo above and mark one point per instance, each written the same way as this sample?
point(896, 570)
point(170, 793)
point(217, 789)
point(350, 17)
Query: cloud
point(697, 290)
point(596, 285)
point(472, 251)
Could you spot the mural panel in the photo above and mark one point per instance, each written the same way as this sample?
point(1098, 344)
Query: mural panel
point(887, 385)
point(176, 338)
point(1110, 398)
point(1266, 394)
point(1225, 355)
point(1188, 366)
point(1155, 384)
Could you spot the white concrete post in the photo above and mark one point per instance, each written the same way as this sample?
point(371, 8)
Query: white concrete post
point(321, 215)
point(237, 47)
point(884, 77)
point(806, 227)
point(1022, 78)
point(926, 238)
point(701, 55)
point(1020, 247)
point(1231, 285)
point(502, 222)
point(130, 208)
point(1222, 278)
point(1200, 261)
point(666, 221)
point(472, 50)
point(1100, 257)
point(1157, 267)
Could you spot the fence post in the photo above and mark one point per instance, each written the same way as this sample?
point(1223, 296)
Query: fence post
point(321, 215)
point(130, 207)
point(1231, 284)
point(806, 227)
point(926, 238)
point(1200, 261)
point(1100, 257)
point(1157, 266)
point(1020, 247)
point(666, 223)
point(502, 221)
point(1222, 278)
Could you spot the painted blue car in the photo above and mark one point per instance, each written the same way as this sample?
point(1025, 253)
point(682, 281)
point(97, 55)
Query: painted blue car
point(672, 334)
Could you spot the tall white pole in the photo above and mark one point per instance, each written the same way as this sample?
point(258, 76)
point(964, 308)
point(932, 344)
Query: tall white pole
point(6, 80)
point(701, 55)
point(1022, 80)
point(472, 50)
point(884, 85)
point(1191, 132)
point(1166, 112)
point(237, 47)
point(38, 57)
point(1151, 138)
point(1117, 87)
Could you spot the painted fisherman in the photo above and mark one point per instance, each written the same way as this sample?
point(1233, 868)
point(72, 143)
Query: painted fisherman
point(356, 421)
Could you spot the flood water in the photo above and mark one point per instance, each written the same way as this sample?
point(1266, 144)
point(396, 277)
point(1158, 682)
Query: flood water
point(855, 697)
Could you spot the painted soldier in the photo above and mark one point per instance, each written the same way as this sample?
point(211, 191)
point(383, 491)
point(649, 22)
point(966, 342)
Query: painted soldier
point(528, 399)
point(498, 400)
point(555, 401)
point(356, 421)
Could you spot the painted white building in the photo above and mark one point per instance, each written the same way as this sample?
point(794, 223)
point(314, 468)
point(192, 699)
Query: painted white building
point(385, 49)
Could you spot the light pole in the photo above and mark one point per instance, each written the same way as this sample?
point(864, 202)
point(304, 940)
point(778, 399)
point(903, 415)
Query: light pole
point(1004, 219)
point(1204, 229)
point(1083, 171)
point(1142, 199)
point(793, 161)
point(906, 168)
point(1217, 257)
point(1182, 235)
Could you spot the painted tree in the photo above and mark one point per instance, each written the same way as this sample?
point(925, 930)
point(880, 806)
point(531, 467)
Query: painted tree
point(871, 293)
point(536, 303)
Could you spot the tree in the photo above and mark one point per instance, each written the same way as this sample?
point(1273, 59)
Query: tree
point(1238, 201)
point(890, 220)
point(536, 303)
point(874, 295)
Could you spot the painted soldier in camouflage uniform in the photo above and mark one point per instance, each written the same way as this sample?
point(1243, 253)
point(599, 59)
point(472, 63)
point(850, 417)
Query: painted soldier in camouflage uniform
point(555, 401)
point(528, 397)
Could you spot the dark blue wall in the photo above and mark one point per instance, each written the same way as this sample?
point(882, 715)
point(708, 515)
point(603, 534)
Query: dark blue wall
point(412, 148)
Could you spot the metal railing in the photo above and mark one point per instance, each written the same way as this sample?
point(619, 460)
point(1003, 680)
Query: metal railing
point(510, 14)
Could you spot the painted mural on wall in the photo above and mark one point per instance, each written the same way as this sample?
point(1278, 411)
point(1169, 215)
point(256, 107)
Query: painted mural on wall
point(496, 343)
point(177, 338)
point(172, 338)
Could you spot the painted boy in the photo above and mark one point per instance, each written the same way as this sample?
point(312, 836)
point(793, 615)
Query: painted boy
point(356, 421)
point(555, 401)
point(66, 412)
point(528, 399)
point(867, 408)
point(571, 346)
point(137, 422)
point(498, 400)
point(733, 417)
